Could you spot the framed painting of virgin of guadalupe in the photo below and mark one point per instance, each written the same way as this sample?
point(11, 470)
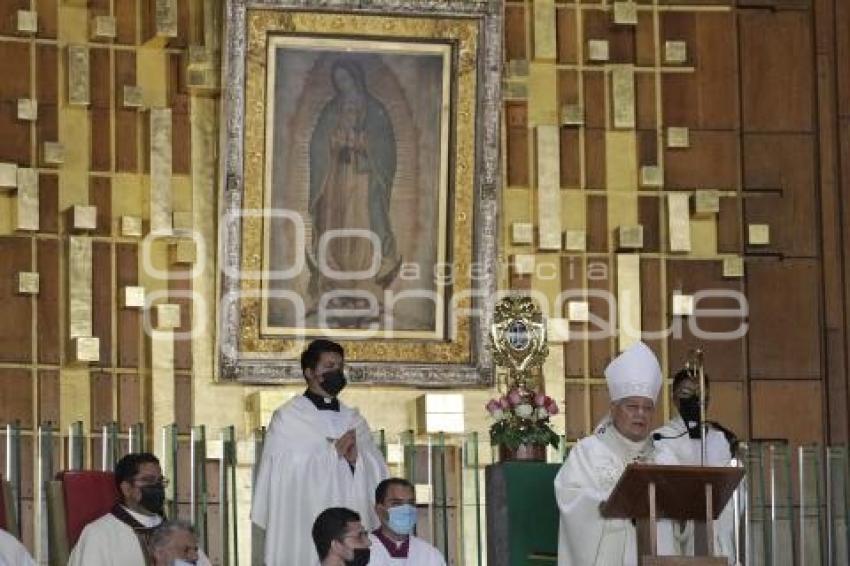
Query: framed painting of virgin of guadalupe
point(359, 174)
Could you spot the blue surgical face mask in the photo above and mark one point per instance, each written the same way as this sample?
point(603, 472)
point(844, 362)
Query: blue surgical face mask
point(181, 562)
point(402, 519)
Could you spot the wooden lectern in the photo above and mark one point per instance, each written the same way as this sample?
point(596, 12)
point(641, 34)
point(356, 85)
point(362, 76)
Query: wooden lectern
point(648, 492)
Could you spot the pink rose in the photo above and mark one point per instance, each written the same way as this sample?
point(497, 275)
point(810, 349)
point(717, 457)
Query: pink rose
point(539, 400)
point(552, 408)
point(505, 403)
point(514, 397)
point(493, 405)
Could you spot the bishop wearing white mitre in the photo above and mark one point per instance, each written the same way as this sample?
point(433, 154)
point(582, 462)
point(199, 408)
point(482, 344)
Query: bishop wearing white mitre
point(596, 463)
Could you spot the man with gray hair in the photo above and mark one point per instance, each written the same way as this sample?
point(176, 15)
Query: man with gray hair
point(174, 543)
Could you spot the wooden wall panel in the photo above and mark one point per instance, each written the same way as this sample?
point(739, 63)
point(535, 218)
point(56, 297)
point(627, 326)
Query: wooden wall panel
point(573, 280)
point(129, 319)
point(100, 196)
point(102, 299)
point(129, 400)
point(15, 70)
point(575, 415)
point(729, 406)
point(707, 98)
point(47, 94)
point(125, 20)
point(48, 203)
point(49, 292)
point(178, 100)
point(601, 350)
point(729, 226)
point(651, 305)
point(711, 162)
point(515, 47)
point(648, 217)
point(777, 70)
point(724, 355)
point(570, 158)
point(126, 119)
point(183, 402)
point(594, 149)
point(101, 399)
point(8, 15)
point(787, 409)
point(48, 397)
point(784, 338)
point(645, 101)
point(647, 147)
point(597, 224)
point(16, 339)
point(621, 39)
point(645, 40)
point(99, 110)
point(16, 397)
point(783, 164)
point(565, 28)
point(180, 285)
point(48, 18)
point(594, 100)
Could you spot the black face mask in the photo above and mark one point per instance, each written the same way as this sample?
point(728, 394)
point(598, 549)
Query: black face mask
point(689, 411)
point(153, 498)
point(361, 557)
point(334, 382)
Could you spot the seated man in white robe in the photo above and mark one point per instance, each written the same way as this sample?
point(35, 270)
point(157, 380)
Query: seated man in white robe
point(12, 552)
point(318, 453)
point(122, 536)
point(174, 543)
point(340, 538)
point(595, 464)
point(394, 542)
point(681, 445)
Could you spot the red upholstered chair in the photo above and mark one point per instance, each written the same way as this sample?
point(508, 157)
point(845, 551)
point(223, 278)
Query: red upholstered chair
point(74, 500)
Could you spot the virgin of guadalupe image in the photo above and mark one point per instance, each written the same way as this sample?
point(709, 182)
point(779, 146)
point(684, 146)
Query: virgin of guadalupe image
point(352, 167)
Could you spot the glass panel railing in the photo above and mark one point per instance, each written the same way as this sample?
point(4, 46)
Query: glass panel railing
point(76, 446)
point(838, 505)
point(810, 517)
point(780, 504)
point(198, 486)
point(757, 524)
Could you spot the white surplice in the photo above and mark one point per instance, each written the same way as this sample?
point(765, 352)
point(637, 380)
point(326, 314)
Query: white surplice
point(108, 541)
point(586, 479)
point(685, 451)
point(301, 474)
point(419, 553)
point(12, 552)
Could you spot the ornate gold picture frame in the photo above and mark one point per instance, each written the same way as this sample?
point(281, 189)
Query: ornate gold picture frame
point(360, 162)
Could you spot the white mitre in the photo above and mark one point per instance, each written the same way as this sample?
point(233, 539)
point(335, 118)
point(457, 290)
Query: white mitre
point(634, 373)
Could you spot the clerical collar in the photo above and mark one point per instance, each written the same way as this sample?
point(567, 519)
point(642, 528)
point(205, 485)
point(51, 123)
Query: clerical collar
point(322, 403)
point(395, 549)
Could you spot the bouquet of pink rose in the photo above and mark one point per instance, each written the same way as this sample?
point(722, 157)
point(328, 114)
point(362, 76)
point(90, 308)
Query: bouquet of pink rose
point(522, 417)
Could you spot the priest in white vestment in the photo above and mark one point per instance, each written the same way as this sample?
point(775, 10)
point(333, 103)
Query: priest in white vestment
point(596, 463)
point(318, 453)
point(121, 537)
point(394, 542)
point(679, 448)
point(12, 552)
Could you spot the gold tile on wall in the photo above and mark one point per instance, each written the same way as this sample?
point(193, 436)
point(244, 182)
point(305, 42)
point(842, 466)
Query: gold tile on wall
point(545, 47)
point(679, 222)
point(160, 157)
point(79, 286)
point(74, 397)
point(628, 300)
point(625, 13)
point(548, 187)
point(623, 96)
point(27, 109)
point(543, 95)
point(26, 21)
point(78, 75)
point(26, 209)
point(162, 380)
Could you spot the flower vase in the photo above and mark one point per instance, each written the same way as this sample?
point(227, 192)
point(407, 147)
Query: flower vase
point(523, 453)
